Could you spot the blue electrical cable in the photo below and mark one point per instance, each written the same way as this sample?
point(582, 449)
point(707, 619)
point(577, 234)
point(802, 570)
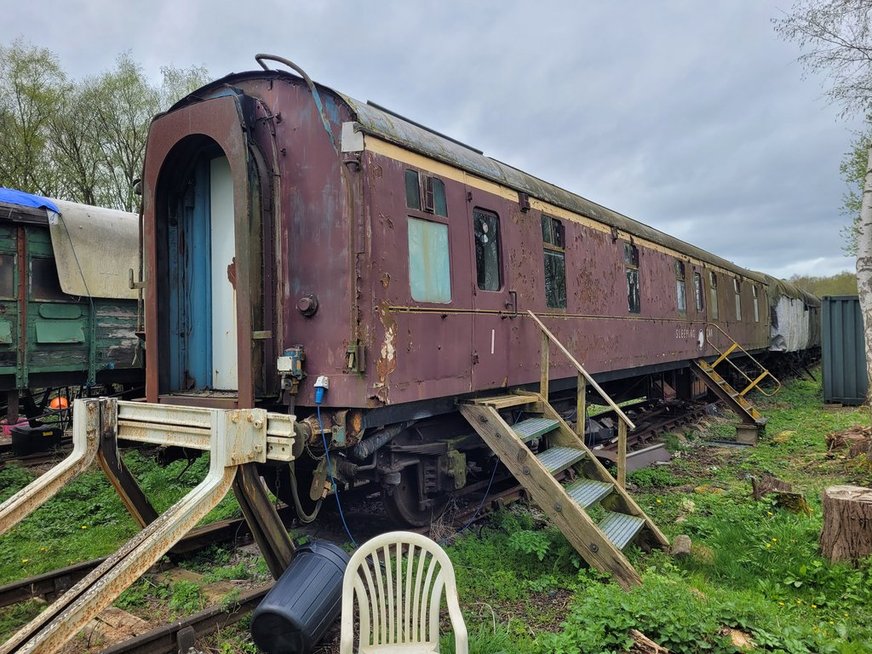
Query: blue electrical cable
point(330, 473)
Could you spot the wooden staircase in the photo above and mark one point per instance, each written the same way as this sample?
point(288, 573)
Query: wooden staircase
point(561, 474)
point(542, 447)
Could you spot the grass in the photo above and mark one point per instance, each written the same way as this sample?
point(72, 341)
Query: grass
point(87, 520)
point(754, 568)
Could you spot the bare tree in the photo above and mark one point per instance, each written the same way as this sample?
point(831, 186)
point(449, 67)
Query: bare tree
point(836, 36)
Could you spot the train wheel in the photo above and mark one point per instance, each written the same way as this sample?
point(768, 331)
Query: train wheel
point(401, 501)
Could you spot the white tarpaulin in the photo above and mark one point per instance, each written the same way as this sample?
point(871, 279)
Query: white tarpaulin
point(95, 249)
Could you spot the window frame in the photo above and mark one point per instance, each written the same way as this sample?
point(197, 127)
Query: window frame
point(681, 287)
point(35, 290)
point(13, 256)
point(554, 246)
point(714, 313)
point(481, 211)
point(737, 289)
point(755, 294)
point(428, 220)
point(431, 194)
point(699, 291)
point(633, 276)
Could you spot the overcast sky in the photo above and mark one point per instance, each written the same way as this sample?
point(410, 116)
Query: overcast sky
point(693, 117)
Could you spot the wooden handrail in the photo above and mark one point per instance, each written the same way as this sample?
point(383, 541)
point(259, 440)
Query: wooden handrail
point(582, 371)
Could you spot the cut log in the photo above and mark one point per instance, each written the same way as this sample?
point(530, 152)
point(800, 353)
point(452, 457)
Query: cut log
point(857, 440)
point(784, 495)
point(847, 529)
point(766, 484)
point(681, 546)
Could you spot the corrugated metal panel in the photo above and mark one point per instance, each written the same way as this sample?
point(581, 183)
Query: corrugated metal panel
point(843, 351)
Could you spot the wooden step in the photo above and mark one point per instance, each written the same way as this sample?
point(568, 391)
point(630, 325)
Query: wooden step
point(557, 459)
point(621, 528)
point(506, 401)
point(586, 492)
point(532, 428)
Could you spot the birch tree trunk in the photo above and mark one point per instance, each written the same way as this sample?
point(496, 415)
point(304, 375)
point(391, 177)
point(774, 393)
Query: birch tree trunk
point(864, 269)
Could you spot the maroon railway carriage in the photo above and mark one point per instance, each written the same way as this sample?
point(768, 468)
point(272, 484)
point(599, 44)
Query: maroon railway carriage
point(291, 232)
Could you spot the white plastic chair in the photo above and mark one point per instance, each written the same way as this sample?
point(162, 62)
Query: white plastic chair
point(397, 581)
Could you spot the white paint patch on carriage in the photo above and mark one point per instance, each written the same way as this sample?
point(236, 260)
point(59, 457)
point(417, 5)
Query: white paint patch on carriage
point(791, 333)
point(387, 349)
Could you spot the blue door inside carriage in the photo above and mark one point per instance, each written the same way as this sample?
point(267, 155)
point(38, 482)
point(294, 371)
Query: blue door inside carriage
point(201, 282)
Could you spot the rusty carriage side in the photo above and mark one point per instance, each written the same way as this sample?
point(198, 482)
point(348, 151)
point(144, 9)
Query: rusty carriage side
point(322, 275)
point(294, 234)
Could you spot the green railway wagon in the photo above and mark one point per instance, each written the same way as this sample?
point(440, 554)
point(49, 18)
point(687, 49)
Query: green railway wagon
point(68, 314)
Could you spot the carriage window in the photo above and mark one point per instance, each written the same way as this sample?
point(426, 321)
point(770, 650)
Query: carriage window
point(434, 196)
point(754, 292)
point(713, 295)
point(680, 288)
point(7, 276)
point(553, 242)
point(486, 227)
point(697, 290)
point(44, 283)
point(413, 190)
point(429, 264)
point(737, 289)
point(631, 265)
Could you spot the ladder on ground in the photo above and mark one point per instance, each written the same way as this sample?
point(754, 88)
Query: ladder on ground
point(735, 399)
point(551, 461)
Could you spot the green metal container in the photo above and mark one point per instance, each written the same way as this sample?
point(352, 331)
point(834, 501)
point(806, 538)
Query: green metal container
point(843, 351)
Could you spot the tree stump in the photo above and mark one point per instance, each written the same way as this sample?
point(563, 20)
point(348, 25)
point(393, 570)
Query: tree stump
point(847, 530)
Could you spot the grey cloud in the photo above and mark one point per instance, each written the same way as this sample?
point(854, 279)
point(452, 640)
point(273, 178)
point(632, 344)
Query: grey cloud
point(691, 117)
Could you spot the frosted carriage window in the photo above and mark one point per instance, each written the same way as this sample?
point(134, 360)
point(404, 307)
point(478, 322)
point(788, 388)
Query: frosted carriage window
point(486, 229)
point(680, 288)
point(429, 265)
point(553, 240)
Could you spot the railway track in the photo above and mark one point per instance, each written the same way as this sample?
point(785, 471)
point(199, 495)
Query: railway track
point(180, 635)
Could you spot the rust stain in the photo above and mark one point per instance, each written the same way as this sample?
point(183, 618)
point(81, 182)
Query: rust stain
point(231, 272)
point(385, 279)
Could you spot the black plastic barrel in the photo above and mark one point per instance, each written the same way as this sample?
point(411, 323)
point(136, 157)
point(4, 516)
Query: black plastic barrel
point(305, 601)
